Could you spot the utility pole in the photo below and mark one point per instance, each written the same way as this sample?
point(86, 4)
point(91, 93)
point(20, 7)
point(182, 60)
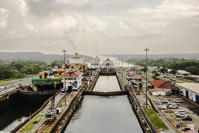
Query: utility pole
point(32, 68)
point(128, 73)
point(64, 75)
point(122, 70)
point(146, 75)
point(119, 61)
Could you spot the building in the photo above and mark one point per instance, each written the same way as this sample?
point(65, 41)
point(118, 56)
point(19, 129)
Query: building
point(196, 77)
point(87, 78)
point(136, 81)
point(190, 91)
point(168, 87)
point(153, 68)
point(157, 92)
point(135, 78)
point(73, 79)
point(183, 72)
point(133, 71)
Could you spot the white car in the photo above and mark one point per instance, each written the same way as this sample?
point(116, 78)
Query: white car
point(180, 111)
point(182, 115)
point(2, 87)
point(173, 106)
point(178, 100)
point(164, 106)
point(173, 103)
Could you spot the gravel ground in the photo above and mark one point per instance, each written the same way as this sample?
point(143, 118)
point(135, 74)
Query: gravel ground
point(191, 109)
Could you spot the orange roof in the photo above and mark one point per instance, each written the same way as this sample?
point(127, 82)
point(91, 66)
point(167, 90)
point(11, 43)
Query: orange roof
point(133, 69)
point(72, 74)
point(163, 84)
point(135, 77)
point(155, 90)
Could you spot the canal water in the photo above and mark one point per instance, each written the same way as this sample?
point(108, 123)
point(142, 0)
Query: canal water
point(20, 108)
point(14, 116)
point(98, 114)
point(107, 83)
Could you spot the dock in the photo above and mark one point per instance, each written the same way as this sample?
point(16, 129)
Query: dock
point(38, 121)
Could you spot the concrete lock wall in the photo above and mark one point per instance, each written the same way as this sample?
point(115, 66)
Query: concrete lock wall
point(24, 99)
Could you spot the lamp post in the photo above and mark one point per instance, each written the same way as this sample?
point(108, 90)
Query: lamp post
point(128, 73)
point(122, 70)
point(32, 68)
point(146, 75)
point(64, 75)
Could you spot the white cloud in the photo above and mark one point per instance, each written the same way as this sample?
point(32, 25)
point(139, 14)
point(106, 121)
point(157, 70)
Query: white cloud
point(4, 13)
point(109, 24)
point(22, 5)
point(31, 28)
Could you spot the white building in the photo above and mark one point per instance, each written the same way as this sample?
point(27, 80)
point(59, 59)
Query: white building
point(133, 71)
point(153, 68)
point(190, 91)
point(196, 77)
point(183, 72)
point(73, 79)
point(157, 92)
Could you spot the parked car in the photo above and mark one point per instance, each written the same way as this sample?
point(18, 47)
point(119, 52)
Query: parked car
point(177, 100)
point(173, 106)
point(188, 118)
point(164, 106)
point(171, 103)
point(180, 111)
point(2, 87)
point(183, 115)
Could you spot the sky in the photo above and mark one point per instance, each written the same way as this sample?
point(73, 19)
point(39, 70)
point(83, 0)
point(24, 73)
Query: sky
point(98, 27)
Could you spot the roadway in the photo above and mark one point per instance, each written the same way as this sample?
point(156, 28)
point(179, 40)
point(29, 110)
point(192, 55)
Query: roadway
point(12, 85)
point(19, 81)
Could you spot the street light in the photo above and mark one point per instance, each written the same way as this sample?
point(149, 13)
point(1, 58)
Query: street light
point(32, 68)
point(122, 70)
point(128, 73)
point(64, 74)
point(146, 74)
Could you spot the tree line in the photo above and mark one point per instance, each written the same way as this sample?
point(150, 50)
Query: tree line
point(190, 65)
point(20, 69)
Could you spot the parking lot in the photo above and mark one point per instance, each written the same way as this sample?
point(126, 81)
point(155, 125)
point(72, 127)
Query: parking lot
point(189, 108)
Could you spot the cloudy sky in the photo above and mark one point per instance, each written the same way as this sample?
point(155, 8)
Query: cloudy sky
point(97, 27)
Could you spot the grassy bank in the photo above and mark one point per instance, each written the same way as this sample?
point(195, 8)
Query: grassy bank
point(157, 122)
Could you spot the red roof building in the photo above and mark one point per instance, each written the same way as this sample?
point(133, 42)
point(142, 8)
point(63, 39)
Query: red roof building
point(135, 76)
point(72, 80)
point(163, 84)
point(132, 69)
point(72, 74)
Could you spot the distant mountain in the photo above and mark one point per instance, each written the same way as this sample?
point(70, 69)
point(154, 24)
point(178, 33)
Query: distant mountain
point(48, 58)
point(155, 56)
